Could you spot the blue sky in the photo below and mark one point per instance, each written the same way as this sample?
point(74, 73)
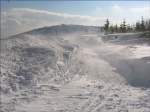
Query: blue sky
point(20, 16)
point(74, 7)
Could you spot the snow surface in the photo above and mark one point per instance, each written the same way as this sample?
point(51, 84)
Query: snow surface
point(82, 72)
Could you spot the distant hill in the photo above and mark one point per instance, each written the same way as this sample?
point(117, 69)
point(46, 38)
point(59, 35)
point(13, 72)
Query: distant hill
point(62, 29)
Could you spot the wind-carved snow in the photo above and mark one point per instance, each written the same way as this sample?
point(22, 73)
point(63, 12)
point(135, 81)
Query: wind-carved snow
point(74, 73)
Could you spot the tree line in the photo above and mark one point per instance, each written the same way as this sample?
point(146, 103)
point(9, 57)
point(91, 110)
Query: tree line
point(124, 27)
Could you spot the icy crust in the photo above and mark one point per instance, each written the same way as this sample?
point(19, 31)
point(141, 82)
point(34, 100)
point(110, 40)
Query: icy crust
point(74, 73)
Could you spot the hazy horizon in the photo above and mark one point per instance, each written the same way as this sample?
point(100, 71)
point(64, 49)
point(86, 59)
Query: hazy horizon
point(21, 16)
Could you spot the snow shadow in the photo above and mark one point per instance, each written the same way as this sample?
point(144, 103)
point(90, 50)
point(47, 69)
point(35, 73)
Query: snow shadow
point(135, 71)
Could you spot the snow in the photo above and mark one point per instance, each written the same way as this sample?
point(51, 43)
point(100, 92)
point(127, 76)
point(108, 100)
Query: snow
point(79, 72)
point(141, 51)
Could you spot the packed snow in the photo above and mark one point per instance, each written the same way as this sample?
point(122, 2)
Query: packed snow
point(75, 71)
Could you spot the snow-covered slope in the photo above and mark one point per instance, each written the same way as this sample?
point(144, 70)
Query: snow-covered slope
point(72, 68)
point(64, 29)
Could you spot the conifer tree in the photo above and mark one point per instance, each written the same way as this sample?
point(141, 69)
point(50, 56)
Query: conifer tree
point(106, 27)
point(138, 27)
point(124, 26)
point(121, 27)
point(142, 26)
point(116, 28)
point(111, 29)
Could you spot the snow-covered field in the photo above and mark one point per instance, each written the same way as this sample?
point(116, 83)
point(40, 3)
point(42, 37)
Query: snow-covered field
point(82, 72)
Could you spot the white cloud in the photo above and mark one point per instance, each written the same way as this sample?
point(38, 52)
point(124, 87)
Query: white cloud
point(140, 9)
point(116, 7)
point(130, 13)
point(65, 15)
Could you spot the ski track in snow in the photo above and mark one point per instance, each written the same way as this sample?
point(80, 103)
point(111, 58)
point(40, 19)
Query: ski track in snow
point(88, 82)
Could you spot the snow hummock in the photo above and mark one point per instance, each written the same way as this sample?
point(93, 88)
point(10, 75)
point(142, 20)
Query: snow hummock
point(141, 51)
